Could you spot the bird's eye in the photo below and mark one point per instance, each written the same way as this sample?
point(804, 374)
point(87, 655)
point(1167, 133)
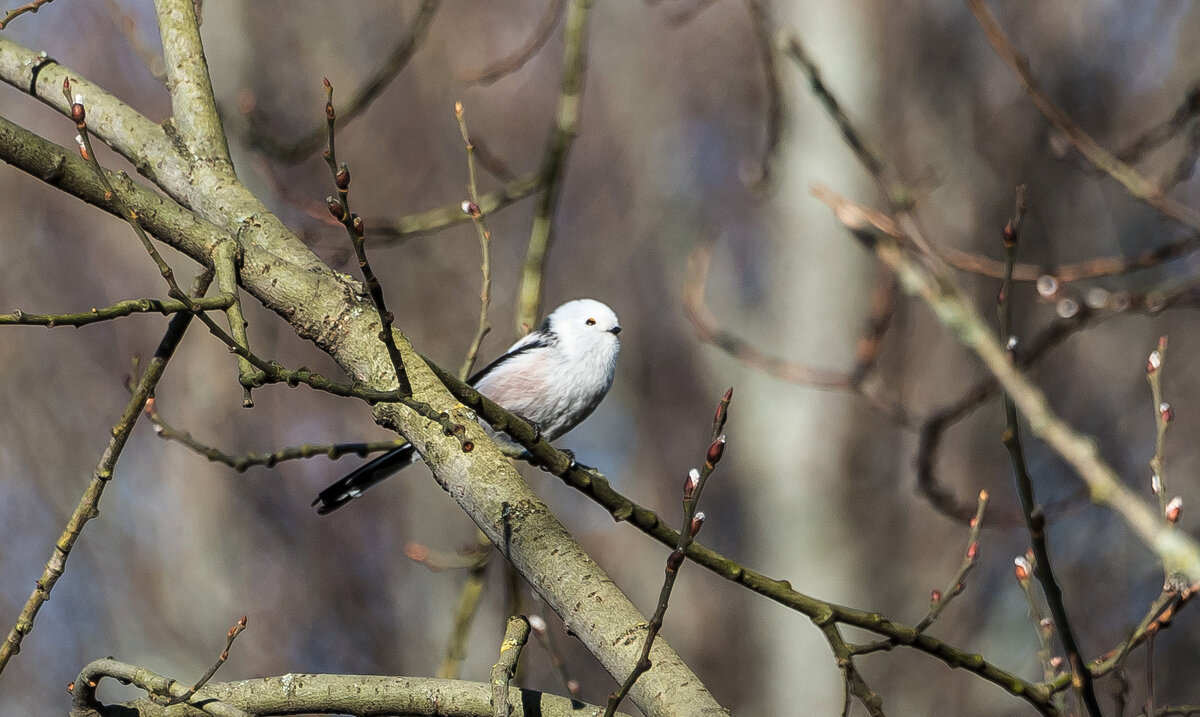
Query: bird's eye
point(591, 322)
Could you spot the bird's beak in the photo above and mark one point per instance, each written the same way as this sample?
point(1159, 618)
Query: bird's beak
point(615, 330)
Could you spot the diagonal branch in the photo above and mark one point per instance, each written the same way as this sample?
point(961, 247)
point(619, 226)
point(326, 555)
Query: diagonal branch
point(1179, 553)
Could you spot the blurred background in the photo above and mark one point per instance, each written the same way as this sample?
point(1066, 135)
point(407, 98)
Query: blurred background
point(819, 487)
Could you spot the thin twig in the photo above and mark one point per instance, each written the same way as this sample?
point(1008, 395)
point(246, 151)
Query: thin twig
point(230, 636)
point(118, 310)
point(358, 103)
point(356, 230)
point(485, 246)
point(692, 522)
point(939, 600)
point(537, 623)
point(764, 40)
point(1035, 517)
point(30, 7)
point(515, 61)
point(1023, 568)
point(469, 597)
point(241, 463)
point(1138, 186)
point(434, 220)
point(1162, 419)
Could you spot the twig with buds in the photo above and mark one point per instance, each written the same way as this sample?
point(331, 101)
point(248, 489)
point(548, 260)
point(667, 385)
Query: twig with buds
point(693, 486)
point(471, 209)
point(339, 207)
point(1035, 517)
point(1023, 570)
point(220, 302)
point(234, 631)
point(301, 148)
point(940, 599)
point(244, 462)
point(1163, 414)
point(30, 7)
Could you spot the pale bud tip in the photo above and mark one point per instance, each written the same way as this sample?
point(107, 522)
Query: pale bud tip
point(1047, 286)
point(1022, 567)
point(1173, 509)
point(537, 623)
point(78, 98)
point(694, 474)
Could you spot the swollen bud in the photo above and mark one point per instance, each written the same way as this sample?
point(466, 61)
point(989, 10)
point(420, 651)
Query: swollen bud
point(537, 623)
point(935, 596)
point(342, 178)
point(715, 451)
point(335, 208)
point(691, 484)
point(697, 524)
point(360, 229)
point(674, 561)
point(1165, 412)
point(78, 114)
point(1154, 362)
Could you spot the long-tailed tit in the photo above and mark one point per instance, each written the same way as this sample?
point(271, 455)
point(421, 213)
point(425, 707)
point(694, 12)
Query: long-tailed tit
point(553, 377)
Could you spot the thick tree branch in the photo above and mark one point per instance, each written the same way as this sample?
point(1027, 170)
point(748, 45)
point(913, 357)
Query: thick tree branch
point(306, 694)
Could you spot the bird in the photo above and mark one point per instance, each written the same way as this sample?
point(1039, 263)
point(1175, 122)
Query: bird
point(553, 377)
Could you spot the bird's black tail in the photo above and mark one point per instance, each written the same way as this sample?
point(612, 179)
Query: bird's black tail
point(365, 476)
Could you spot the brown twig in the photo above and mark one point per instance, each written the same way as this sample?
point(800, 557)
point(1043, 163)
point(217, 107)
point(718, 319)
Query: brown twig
point(692, 522)
point(234, 631)
point(356, 230)
point(472, 209)
point(1035, 517)
point(505, 66)
point(764, 40)
point(709, 330)
point(120, 309)
point(1067, 273)
point(241, 463)
point(939, 600)
point(358, 103)
point(29, 7)
point(1138, 186)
